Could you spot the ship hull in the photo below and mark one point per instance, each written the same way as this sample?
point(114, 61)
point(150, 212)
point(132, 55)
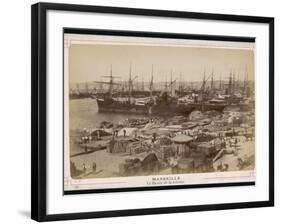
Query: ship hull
point(208, 106)
point(120, 107)
point(172, 109)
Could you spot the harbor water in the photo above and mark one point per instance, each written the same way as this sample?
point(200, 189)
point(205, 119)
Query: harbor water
point(84, 114)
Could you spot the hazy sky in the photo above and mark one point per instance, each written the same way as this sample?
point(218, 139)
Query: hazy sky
point(90, 62)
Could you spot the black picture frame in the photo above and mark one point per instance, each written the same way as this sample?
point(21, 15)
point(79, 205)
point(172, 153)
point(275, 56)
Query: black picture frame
point(39, 108)
point(123, 33)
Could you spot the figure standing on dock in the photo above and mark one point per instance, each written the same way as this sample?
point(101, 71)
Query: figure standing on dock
point(94, 167)
point(84, 168)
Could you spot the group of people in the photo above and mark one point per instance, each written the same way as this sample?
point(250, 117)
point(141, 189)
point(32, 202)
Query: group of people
point(222, 167)
point(94, 168)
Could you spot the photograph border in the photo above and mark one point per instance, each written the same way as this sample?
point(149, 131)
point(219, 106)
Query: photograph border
point(126, 33)
point(39, 110)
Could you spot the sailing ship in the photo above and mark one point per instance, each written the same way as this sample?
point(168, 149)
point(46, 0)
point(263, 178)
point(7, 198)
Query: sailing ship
point(161, 104)
point(201, 101)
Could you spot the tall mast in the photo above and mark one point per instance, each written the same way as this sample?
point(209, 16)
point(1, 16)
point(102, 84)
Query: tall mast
point(245, 81)
point(111, 82)
point(171, 82)
point(203, 83)
point(230, 83)
point(180, 84)
point(212, 80)
point(130, 82)
point(202, 89)
point(204, 80)
point(234, 82)
point(137, 84)
point(151, 82)
point(238, 82)
point(166, 85)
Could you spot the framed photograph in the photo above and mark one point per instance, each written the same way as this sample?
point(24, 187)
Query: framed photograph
point(134, 106)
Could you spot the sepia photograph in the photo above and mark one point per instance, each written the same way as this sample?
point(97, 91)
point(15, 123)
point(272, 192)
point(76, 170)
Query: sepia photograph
point(142, 111)
point(138, 111)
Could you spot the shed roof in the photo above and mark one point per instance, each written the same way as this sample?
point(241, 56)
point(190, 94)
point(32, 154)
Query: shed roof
point(181, 138)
